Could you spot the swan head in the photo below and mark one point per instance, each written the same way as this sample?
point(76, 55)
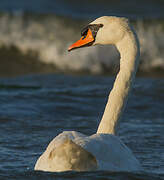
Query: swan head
point(103, 30)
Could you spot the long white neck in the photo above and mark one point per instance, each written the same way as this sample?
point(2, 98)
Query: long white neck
point(129, 53)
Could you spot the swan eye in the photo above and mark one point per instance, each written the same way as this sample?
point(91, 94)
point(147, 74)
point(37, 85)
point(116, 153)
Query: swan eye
point(93, 27)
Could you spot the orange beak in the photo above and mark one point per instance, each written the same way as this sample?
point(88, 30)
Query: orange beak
point(84, 41)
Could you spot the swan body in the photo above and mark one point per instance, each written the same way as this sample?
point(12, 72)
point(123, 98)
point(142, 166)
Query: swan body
point(95, 152)
point(72, 150)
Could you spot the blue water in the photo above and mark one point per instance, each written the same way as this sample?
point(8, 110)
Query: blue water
point(89, 8)
point(35, 108)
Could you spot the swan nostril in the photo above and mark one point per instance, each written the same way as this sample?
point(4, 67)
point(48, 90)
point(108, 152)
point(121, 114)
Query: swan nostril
point(83, 37)
point(84, 31)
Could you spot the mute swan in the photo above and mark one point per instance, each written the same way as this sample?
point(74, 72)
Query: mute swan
point(72, 150)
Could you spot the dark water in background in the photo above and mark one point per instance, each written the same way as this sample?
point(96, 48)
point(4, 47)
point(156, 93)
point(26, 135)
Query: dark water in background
point(35, 108)
point(42, 30)
point(31, 111)
point(88, 8)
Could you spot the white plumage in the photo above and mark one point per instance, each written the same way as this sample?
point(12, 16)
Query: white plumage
point(109, 151)
point(103, 150)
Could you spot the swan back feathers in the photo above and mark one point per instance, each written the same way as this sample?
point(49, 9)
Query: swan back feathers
point(72, 150)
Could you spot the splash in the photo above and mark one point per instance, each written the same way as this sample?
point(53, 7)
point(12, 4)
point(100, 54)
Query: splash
point(49, 36)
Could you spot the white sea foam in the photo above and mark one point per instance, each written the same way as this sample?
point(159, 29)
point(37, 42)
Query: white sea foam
point(49, 37)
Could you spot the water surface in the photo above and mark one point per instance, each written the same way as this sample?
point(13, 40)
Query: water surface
point(35, 108)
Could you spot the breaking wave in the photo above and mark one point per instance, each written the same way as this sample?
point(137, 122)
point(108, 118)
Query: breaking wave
point(48, 37)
